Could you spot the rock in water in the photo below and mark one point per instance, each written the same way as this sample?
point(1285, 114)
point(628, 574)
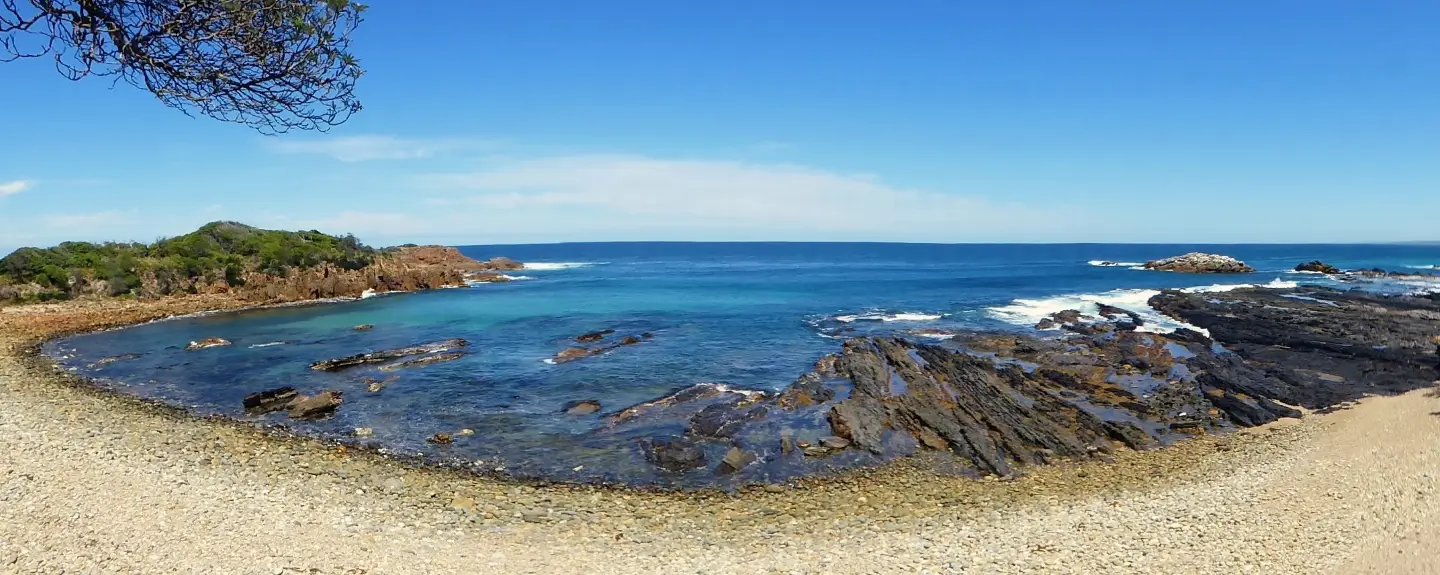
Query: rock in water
point(503, 264)
point(1317, 266)
point(570, 354)
point(271, 400)
point(723, 419)
point(807, 391)
point(735, 460)
point(316, 406)
point(581, 407)
point(594, 336)
point(1200, 263)
point(379, 356)
point(207, 343)
point(440, 439)
point(364, 327)
point(674, 454)
point(423, 361)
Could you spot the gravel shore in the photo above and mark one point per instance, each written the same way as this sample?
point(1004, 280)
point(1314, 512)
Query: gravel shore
point(92, 482)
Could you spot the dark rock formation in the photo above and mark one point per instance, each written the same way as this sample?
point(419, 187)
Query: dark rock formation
point(570, 354)
point(440, 439)
point(1333, 346)
point(1199, 263)
point(317, 406)
point(581, 407)
point(674, 453)
point(594, 336)
point(270, 400)
point(809, 390)
point(387, 355)
point(723, 419)
point(503, 264)
point(423, 361)
point(1317, 266)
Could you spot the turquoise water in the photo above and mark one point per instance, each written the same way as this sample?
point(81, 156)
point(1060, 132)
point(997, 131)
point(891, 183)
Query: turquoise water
point(750, 316)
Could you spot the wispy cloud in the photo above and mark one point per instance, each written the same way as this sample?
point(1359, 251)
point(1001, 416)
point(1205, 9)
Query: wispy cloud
point(14, 187)
point(84, 220)
point(622, 192)
point(375, 147)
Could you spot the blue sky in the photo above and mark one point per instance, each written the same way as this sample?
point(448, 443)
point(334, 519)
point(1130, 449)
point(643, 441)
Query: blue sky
point(515, 122)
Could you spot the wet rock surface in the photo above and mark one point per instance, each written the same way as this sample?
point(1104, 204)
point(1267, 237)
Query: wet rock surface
point(206, 343)
point(581, 407)
point(1200, 263)
point(1318, 267)
point(573, 353)
point(387, 355)
point(320, 405)
point(1002, 402)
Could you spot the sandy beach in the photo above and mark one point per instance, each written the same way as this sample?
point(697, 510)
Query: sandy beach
point(94, 482)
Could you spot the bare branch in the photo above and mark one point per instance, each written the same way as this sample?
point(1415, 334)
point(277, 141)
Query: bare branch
point(274, 65)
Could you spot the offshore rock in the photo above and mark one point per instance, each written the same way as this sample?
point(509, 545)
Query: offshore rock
point(570, 354)
point(423, 361)
point(207, 343)
point(594, 336)
point(387, 355)
point(1317, 266)
point(1200, 263)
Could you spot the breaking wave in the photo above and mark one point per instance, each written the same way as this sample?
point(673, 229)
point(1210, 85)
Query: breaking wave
point(1110, 264)
point(903, 316)
point(1028, 312)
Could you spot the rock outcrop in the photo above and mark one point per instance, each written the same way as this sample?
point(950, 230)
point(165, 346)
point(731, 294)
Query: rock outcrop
point(573, 353)
point(581, 407)
point(208, 342)
point(1200, 263)
point(387, 355)
point(316, 406)
point(1317, 266)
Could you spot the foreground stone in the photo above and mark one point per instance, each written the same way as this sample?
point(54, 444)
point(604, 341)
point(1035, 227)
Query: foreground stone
point(317, 406)
point(270, 400)
point(1200, 263)
point(387, 355)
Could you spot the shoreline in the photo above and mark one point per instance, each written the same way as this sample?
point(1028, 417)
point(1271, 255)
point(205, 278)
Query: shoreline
point(1198, 495)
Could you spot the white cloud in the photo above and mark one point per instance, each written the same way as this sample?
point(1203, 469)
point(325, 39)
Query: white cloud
point(15, 187)
point(373, 147)
point(615, 194)
point(83, 220)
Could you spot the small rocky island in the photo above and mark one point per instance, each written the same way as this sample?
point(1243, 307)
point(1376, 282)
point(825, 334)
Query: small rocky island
point(1200, 263)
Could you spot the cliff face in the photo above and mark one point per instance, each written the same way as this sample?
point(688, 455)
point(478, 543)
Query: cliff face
point(404, 269)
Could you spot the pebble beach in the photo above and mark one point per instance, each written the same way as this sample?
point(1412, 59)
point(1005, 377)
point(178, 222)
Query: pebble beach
point(92, 482)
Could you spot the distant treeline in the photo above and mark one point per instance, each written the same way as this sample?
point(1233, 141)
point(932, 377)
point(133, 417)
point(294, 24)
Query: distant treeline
point(219, 250)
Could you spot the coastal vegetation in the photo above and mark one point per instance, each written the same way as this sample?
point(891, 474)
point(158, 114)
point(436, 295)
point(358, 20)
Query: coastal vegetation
point(218, 251)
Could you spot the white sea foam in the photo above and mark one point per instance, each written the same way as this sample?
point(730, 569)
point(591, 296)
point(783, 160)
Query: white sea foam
point(1306, 272)
point(1277, 283)
point(367, 294)
point(1028, 312)
point(516, 278)
point(748, 393)
point(937, 334)
point(551, 266)
point(549, 361)
point(903, 316)
point(273, 343)
point(1110, 264)
point(1429, 267)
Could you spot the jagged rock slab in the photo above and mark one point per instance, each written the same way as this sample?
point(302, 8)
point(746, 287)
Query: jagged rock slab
point(387, 355)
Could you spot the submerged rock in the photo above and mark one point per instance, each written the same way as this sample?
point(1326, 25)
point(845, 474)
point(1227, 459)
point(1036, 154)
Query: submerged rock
point(270, 400)
point(581, 407)
point(423, 361)
point(594, 336)
point(114, 358)
point(364, 327)
point(440, 439)
point(570, 354)
point(320, 405)
point(1317, 266)
point(724, 419)
point(674, 453)
point(375, 385)
point(1200, 263)
point(735, 460)
point(207, 343)
point(807, 391)
point(387, 355)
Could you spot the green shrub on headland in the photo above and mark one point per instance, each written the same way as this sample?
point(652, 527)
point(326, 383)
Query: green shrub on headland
point(217, 251)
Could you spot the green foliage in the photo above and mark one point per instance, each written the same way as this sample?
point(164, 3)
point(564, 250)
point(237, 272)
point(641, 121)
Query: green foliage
point(219, 250)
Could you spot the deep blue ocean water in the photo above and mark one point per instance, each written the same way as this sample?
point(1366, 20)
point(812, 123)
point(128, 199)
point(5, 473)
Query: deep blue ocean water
point(751, 316)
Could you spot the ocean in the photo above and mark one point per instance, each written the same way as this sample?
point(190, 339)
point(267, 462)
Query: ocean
point(751, 316)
